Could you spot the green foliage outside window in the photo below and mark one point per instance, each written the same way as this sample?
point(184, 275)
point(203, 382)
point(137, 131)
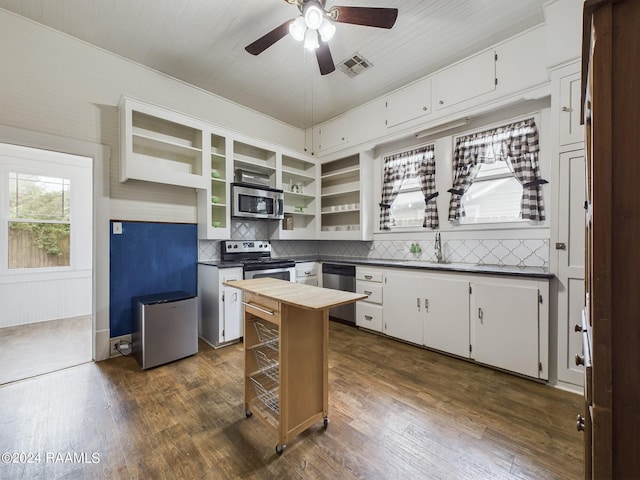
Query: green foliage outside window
point(41, 206)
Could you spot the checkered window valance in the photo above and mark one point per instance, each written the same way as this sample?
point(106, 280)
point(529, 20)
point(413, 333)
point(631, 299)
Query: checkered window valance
point(518, 146)
point(399, 167)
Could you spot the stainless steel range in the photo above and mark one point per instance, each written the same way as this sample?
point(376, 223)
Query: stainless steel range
point(255, 256)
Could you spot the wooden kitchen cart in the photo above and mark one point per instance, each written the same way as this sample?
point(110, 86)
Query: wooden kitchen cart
point(286, 336)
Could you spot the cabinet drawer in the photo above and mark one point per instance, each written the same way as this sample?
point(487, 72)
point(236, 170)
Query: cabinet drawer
point(369, 316)
point(307, 270)
point(369, 275)
point(373, 290)
point(262, 307)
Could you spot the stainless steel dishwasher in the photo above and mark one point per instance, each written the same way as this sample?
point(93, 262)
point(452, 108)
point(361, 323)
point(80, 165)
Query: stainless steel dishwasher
point(341, 277)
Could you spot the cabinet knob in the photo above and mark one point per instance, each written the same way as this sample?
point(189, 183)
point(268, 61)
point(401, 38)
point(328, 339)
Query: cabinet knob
point(424, 108)
point(580, 423)
point(577, 328)
point(441, 102)
point(579, 360)
point(565, 109)
point(561, 246)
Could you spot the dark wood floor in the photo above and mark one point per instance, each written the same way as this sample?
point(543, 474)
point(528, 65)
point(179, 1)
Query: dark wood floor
point(43, 347)
point(396, 412)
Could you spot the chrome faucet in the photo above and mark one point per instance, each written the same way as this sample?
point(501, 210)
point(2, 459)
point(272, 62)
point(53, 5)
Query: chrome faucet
point(438, 247)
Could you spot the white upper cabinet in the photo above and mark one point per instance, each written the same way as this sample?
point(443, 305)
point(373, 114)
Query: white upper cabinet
point(333, 134)
point(571, 131)
point(214, 207)
point(465, 80)
point(409, 103)
point(161, 146)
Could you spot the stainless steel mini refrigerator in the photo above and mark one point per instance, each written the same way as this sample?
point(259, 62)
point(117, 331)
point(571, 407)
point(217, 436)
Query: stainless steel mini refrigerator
point(165, 327)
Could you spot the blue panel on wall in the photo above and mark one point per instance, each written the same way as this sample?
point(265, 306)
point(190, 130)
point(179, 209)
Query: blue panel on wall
point(149, 258)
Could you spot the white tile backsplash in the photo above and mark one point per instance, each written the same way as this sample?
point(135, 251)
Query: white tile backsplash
point(507, 252)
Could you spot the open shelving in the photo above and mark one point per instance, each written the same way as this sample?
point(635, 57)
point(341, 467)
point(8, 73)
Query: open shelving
point(341, 198)
point(299, 183)
point(161, 146)
point(255, 159)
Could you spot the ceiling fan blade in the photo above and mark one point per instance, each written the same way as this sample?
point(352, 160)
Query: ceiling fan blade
point(325, 60)
point(367, 16)
point(268, 39)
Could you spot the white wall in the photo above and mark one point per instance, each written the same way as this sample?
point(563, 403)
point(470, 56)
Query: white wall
point(59, 93)
point(52, 83)
point(35, 295)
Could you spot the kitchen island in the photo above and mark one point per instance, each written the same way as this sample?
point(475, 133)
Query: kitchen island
point(286, 336)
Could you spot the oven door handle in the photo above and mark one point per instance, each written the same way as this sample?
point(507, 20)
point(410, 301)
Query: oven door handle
point(263, 310)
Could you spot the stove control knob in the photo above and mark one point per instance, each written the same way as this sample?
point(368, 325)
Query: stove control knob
point(235, 246)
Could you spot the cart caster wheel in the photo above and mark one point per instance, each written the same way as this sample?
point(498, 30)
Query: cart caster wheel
point(248, 413)
point(325, 423)
point(280, 449)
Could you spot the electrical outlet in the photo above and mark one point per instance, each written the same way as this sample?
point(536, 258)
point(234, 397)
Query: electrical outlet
point(113, 351)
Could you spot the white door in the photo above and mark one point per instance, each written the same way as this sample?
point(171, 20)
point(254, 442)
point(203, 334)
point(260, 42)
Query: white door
point(570, 251)
point(403, 313)
point(231, 325)
point(505, 327)
point(446, 324)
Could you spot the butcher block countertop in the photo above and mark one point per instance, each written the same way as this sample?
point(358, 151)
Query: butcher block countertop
point(297, 294)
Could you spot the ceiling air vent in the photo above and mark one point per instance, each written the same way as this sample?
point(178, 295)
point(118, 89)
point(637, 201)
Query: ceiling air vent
point(354, 65)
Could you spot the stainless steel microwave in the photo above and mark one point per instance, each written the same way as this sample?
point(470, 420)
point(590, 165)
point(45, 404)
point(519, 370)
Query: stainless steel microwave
point(256, 202)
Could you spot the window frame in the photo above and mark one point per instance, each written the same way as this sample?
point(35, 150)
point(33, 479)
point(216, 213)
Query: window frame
point(9, 219)
point(444, 146)
point(512, 224)
point(32, 161)
point(404, 228)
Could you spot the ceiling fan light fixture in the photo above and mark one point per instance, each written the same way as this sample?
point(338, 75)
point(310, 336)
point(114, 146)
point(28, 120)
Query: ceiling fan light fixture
point(297, 28)
point(326, 30)
point(311, 39)
point(313, 16)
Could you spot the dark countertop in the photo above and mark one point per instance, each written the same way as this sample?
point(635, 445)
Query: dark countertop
point(221, 264)
point(503, 270)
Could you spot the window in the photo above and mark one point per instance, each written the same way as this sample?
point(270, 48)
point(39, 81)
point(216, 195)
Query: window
point(39, 221)
point(497, 176)
point(494, 196)
point(408, 190)
point(407, 210)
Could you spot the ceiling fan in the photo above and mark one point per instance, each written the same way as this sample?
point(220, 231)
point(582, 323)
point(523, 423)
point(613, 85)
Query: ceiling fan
point(315, 26)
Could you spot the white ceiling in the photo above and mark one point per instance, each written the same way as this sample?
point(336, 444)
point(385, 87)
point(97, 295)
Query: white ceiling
point(202, 43)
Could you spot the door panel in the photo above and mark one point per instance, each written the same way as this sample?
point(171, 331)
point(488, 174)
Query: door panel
point(571, 232)
point(446, 325)
point(506, 327)
point(403, 314)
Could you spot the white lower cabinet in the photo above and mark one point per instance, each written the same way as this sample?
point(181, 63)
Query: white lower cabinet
point(446, 320)
point(220, 319)
point(402, 305)
point(504, 325)
point(498, 321)
point(428, 310)
point(307, 273)
point(369, 316)
point(369, 311)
